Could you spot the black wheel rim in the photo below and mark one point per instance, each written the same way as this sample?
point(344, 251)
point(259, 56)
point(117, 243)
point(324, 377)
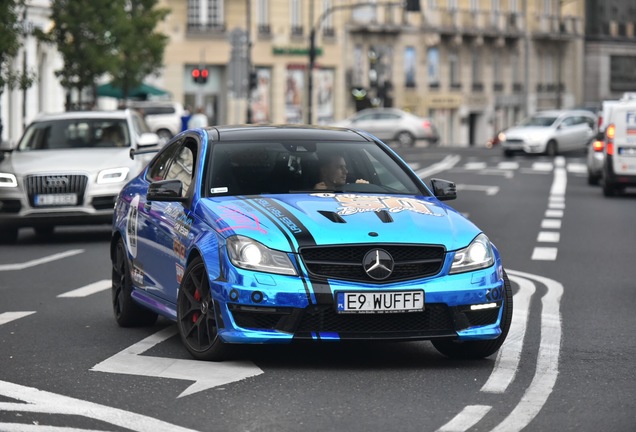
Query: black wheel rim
point(119, 278)
point(196, 310)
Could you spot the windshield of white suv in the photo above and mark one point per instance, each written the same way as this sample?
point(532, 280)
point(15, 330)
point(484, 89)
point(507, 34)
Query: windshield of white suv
point(541, 121)
point(75, 133)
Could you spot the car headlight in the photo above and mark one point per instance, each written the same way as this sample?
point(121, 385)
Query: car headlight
point(8, 180)
point(251, 255)
point(477, 255)
point(113, 175)
point(501, 136)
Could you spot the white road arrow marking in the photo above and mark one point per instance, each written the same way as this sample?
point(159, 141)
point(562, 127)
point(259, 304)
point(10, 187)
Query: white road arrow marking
point(89, 289)
point(39, 401)
point(11, 316)
point(33, 263)
point(443, 165)
point(205, 374)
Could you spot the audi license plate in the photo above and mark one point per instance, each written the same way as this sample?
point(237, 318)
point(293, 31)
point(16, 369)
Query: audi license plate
point(56, 199)
point(380, 302)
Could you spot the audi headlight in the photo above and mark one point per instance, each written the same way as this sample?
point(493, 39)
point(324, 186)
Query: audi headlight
point(8, 180)
point(251, 255)
point(477, 255)
point(113, 175)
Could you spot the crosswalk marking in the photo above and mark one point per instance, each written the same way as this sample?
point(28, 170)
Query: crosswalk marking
point(552, 213)
point(548, 237)
point(89, 289)
point(12, 316)
point(508, 165)
point(543, 166)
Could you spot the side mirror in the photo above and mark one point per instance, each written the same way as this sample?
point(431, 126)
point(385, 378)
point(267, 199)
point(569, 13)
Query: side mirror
point(165, 190)
point(444, 190)
point(148, 139)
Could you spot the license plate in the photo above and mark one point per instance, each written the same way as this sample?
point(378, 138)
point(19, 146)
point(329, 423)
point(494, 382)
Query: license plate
point(380, 302)
point(56, 199)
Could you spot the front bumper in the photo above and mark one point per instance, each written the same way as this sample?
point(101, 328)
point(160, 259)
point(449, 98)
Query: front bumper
point(523, 146)
point(285, 314)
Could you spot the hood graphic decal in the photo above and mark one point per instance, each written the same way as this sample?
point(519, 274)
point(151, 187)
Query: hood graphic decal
point(351, 204)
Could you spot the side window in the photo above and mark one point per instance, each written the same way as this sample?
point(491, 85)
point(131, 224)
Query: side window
point(182, 168)
point(568, 121)
point(158, 168)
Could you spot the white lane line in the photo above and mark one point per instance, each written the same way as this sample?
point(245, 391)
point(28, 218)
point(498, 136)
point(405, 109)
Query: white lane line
point(508, 165)
point(544, 253)
point(448, 162)
point(40, 401)
point(489, 190)
point(548, 237)
point(7, 317)
point(89, 289)
point(547, 368)
point(559, 183)
point(556, 205)
point(556, 199)
point(33, 263)
point(415, 165)
point(23, 427)
point(551, 213)
point(466, 419)
point(475, 165)
point(542, 166)
point(551, 223)
point(509, 354)
point(577, 168)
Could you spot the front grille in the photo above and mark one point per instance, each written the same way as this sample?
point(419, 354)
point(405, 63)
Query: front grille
point(482, 317)
point(345, 262)
point(56, 184)
point(434, 319)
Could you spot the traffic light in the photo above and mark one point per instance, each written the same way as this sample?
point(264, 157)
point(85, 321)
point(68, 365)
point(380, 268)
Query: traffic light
point(200, 76)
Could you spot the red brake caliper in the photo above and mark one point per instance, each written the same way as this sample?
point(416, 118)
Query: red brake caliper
point(197, 297)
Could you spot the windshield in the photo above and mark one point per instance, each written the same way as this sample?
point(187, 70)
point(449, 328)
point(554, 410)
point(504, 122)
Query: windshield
point(541, 121)
point(75, 133)
point(254, 168)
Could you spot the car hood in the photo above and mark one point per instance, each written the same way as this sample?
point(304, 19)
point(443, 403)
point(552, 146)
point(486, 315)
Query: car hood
point(286, 222)
point(524, 131)
point(67, 160)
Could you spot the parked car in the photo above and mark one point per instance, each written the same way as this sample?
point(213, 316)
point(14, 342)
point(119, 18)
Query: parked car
point(162, 117)
point(619, 162)
point(392, 124)
point(275, 234)
point(595, 157)
point(550, 132)
point(68, 169)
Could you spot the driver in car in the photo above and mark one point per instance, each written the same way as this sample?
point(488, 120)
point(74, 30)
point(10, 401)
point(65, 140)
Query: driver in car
point(333, 173)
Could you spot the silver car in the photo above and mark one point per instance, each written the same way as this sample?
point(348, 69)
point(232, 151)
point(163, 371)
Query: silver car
point(68, 168)
point(392, 124)
point(550, 132)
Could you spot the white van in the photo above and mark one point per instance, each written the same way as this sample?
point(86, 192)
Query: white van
point(619, 166)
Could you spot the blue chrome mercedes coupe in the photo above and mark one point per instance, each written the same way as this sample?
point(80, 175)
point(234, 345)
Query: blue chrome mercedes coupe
point(274, 234)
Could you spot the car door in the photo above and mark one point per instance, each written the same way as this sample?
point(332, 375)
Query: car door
point(165, 228)
point(567, 133)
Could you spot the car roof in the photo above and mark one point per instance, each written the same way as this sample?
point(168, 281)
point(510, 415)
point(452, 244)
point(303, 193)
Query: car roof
point(284, 132)
point(71, 115)
point(558, 113)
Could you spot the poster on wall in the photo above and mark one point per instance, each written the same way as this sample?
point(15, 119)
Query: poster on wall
point(324, 97)
point(295, 84)
point(261, 96)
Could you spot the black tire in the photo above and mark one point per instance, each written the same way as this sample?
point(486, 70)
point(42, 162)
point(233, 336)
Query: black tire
point(609, 189)
point(552, 149)
point(127, 312)
point(8, 235)
point(480, 349)
point(405, 139)
point(508, 153)
point(196, 315)
point(592, 179)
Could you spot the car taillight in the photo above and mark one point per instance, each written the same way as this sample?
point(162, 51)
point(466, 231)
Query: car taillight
point(610, 132)
point(426, 124)
point(598, 146)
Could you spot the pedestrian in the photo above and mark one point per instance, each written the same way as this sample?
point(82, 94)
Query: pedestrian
point(198, 119)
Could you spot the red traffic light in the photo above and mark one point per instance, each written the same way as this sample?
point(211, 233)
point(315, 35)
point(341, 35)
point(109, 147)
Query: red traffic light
point(196, 73)
point(204, 73)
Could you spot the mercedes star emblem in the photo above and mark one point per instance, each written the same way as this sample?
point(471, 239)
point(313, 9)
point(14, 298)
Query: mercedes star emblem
point(378, 264)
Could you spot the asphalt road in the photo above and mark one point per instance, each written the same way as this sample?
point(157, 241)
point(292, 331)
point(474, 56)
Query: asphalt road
point(569, 364)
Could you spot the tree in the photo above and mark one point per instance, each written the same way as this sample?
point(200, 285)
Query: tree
point(137, 47)
point(11, 23)
point(82, 34)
